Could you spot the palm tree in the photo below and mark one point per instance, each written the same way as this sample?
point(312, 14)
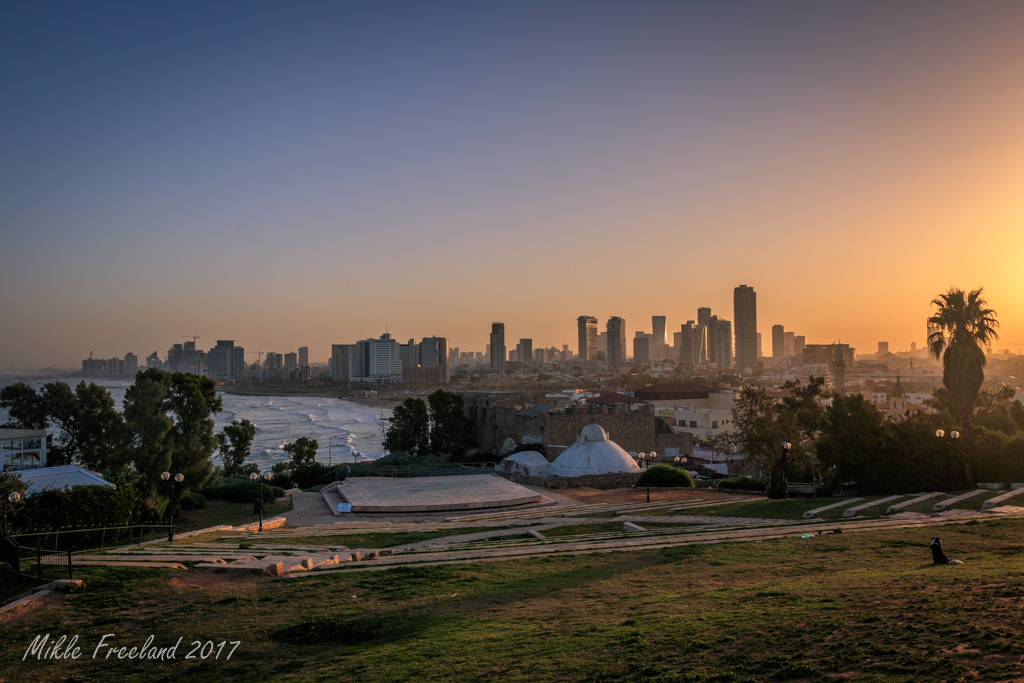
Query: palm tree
point(960, 327)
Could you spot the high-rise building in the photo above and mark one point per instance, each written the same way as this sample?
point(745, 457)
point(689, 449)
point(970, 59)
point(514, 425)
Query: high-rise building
point(789, 344)
point(642, 347)
point(131, 364)
point(291, 361)
point(778, 341)
point(498, 347)
point(616, 330)
point(723, 344)
point(339, 362)
point(799, 341)
point(883, 348)
point(744, 313)
point(303, 356)
point(688, 346)
point(524, 351)
point(704, 353)
point(658, 342)
point(227, 362)
point(586, 326)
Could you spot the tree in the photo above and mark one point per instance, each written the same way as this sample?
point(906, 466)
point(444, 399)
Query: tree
point(25, 408)
point(302, 451)
point(100, 432)
point(762, 424)
point(851, 442)
point(409, 429)
point(963, 325)
point(170, 420)
point(451, 432)
point(234, 443)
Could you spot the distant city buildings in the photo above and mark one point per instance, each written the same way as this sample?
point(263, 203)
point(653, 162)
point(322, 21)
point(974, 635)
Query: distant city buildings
point(498, 348)
point(744, 312)
point(586, 328)
point(616, 330)
point(227, 362)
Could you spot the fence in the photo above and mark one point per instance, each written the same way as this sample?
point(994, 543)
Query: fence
point(44, 565)
point(405, 471)
point(78, 540)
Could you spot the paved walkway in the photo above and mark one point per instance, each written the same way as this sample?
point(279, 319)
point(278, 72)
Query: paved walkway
point(431, 494)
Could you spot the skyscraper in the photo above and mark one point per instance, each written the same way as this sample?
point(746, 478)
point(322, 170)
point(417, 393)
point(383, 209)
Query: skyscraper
point(658, 341)
point(778, 341)
point(498, 347)
point(723, 344)
point(642, 348)
point(586, 326)
point(704, 352)
point(744, 313)
point(227, 361)
point(524, 349)
point(616, 330)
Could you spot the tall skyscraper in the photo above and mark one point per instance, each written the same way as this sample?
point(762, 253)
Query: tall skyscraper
point(778, 341)
point(723, 344)
point(658, 341)
point(744, 313)
point(616, 330)
point(524, 350)
point(789, 344)
point(586, 327)
point(498, 347)
point(704, 353)
point(303, 356)
point(642, 347)
point(227, 361)
point(688, 344)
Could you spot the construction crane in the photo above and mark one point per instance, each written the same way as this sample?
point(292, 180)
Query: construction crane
point(193, 337)
point(259, 357)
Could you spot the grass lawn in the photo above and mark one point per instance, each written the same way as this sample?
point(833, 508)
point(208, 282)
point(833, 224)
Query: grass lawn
point(864, 607)
point(219, 512)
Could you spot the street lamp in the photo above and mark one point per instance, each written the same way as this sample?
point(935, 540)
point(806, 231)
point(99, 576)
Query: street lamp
point(178, 478)
point(14, 497)
point(330, 443)
point(951, 436)
point(786, 448)
point(259, 500)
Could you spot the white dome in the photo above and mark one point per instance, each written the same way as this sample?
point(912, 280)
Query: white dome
point(593, 453)
point(594, 432)
point(530, 463)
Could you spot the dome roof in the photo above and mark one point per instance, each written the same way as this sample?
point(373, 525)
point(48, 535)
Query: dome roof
point(593, 453)
point(530, 463)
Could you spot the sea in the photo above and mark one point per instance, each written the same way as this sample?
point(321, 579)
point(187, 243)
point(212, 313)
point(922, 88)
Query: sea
point(345, 431)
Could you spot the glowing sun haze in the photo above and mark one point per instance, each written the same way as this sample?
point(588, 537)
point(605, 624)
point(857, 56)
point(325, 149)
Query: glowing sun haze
point(302, 174)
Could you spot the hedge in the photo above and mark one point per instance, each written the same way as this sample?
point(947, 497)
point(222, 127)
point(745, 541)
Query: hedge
point(666, 476)
point(742, 484)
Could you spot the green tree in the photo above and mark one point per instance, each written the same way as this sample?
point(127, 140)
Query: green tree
point(100, 432)
point(450, 430)
point(171, 426)
point(25, 408)
point(851, 442)
point(762, 425)
point(963, 325)
point(302, 451)
point(409, 429)
point(235, 443)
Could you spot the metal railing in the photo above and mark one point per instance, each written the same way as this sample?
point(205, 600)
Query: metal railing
point(81, 540)
point(43, 565)
point(404, 471)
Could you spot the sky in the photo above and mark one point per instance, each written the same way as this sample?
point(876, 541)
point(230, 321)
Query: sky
point(291, 174)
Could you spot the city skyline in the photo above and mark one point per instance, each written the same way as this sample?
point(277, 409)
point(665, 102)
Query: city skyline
point(287, 176)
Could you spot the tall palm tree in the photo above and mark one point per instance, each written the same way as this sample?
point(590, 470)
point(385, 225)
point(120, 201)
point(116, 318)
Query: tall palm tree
point(962, 324)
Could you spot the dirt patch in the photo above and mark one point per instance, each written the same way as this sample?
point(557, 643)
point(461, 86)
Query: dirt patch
point(211, 579)
point(639, 495)
point(15, 615)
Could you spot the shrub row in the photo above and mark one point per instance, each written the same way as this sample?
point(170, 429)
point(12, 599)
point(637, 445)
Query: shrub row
point(742, 484)
point(666, 476)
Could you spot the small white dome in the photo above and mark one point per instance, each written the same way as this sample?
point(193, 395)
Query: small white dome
point(593, 453)
point(594, 432)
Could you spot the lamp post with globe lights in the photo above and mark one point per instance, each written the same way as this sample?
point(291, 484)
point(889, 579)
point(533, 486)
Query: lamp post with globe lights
point(12, 498)
point(950, 437)
point(259, 498)
point(178, 478)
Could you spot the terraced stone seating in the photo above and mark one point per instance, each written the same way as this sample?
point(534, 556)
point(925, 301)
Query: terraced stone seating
point(944, 505)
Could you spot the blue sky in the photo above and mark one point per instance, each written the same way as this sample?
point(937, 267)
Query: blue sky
point(289, 174)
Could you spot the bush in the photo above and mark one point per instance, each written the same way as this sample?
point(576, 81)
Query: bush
point(238, 490)
point(192, 501)
point(742, 484)
point(78, 507)
point(665, 475)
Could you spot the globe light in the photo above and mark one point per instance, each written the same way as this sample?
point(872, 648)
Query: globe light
point(940, 433)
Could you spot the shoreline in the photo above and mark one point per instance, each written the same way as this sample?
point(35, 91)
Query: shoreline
point(386, 402)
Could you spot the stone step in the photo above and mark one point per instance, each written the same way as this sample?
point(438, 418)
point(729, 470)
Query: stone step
point(946, 504)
